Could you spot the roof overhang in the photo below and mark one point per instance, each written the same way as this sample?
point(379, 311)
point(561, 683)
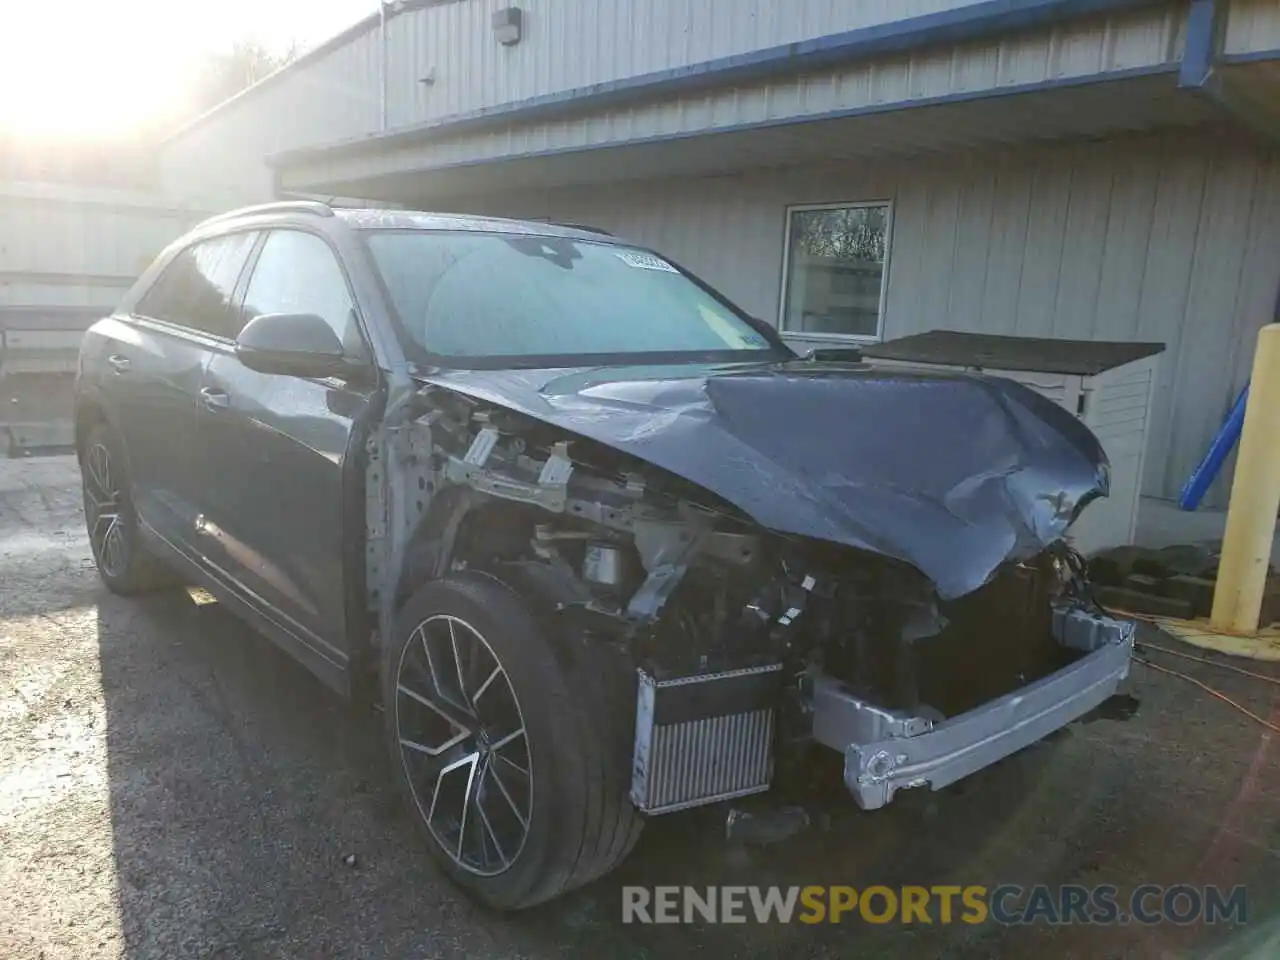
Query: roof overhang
point(959, 25)
point(977, 75)
point(1142, 100)
point(1244, 84)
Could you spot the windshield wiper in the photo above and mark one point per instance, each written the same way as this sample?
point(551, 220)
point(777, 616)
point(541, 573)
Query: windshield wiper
point(837, 354)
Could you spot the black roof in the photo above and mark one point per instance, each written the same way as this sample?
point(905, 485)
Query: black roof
point(953, 347)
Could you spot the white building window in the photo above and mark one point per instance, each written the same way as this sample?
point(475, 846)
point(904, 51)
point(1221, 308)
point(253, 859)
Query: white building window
point(834, 274)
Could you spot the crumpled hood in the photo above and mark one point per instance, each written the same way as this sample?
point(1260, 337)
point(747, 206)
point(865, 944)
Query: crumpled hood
point(952, 473)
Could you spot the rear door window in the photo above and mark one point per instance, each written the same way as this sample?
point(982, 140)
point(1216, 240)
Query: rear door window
point(197, 289)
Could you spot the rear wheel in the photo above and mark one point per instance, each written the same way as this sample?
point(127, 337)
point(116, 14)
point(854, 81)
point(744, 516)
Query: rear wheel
point(123, 561)
point(516, 775)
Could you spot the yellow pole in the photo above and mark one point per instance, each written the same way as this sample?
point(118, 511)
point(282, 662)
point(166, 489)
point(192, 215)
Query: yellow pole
point(1255, 497)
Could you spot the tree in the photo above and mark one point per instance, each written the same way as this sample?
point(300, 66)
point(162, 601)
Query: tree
point(850, 233)
point(222, 75)
point(127, 159)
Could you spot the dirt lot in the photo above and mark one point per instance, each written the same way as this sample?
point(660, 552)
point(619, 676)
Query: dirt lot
point(171, 786)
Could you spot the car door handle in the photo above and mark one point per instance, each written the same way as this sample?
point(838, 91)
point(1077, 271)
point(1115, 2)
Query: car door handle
point(118, 362)
point(214, 400)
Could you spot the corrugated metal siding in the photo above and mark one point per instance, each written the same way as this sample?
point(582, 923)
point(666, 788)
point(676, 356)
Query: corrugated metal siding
point(574, 43)
point(571, 44)
point(568, 44)
point(64, 247)
point(220, 162)
point(1252, 26)
point(1143, 39)
point(1170, 237)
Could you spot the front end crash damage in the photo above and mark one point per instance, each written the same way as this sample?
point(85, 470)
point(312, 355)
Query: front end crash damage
point(916, 610)
point(887, 750)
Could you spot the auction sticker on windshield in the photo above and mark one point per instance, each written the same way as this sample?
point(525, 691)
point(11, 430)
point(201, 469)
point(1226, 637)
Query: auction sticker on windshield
point(644, 261)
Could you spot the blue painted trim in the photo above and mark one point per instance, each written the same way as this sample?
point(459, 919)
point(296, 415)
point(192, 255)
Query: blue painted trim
point(1253, 56)
point(1202, 40)
point(1200, 73)
point(969, 22)
point(783, 122)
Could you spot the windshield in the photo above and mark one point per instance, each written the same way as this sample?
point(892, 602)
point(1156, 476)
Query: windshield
point(523, 300)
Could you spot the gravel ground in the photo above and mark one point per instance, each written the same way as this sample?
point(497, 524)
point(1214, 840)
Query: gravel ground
point(172, 786)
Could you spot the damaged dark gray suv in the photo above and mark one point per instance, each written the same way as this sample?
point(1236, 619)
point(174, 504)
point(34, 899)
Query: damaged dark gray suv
point(600, 544)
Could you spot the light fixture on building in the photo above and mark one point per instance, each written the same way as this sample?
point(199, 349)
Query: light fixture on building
point(508, 25)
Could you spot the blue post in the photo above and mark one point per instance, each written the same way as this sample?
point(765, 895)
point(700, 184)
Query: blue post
point(1202, 476)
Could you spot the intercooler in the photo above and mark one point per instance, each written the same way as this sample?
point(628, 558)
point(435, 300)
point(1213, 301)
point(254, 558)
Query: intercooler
point(702, 739)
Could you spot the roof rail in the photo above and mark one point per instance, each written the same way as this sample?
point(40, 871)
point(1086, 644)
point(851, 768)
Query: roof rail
point(314, 207)
point(586, 228)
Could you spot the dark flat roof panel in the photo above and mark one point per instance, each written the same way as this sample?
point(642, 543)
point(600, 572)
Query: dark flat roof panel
point(990, 351)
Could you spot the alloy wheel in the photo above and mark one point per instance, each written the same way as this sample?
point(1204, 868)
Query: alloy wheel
point(103, 511)
point(463, 745)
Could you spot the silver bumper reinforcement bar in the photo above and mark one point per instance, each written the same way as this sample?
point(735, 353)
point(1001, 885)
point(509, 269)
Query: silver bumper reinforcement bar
point(887, 750)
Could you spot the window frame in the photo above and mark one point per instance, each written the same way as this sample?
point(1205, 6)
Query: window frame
point(419, 357)
point(255, 256)
point(785, 284)
point(237, 289)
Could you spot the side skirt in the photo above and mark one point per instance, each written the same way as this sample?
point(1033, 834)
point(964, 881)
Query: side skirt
point(332, 674)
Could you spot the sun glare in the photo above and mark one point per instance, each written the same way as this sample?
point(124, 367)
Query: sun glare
point(94, 68)
point(86, 69)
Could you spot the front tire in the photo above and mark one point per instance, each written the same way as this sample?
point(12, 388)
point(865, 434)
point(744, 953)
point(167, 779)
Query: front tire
point(123, 561)
point(515, 770)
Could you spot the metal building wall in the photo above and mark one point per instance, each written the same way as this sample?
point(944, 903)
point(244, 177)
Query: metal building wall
point(67, 255)
point(1169, 237)
point(443, 60)
point(78, 247)
point(219, 162)
point(570, 44)
point(1252, 27)
point(1145, 43)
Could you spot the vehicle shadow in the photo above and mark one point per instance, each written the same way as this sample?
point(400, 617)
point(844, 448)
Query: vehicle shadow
point(253, 815)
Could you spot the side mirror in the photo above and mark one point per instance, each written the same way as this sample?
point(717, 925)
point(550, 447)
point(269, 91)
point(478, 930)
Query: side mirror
point(294, 344)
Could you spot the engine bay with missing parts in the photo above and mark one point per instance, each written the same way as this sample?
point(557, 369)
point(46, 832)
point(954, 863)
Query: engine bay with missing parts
point(745, 642)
